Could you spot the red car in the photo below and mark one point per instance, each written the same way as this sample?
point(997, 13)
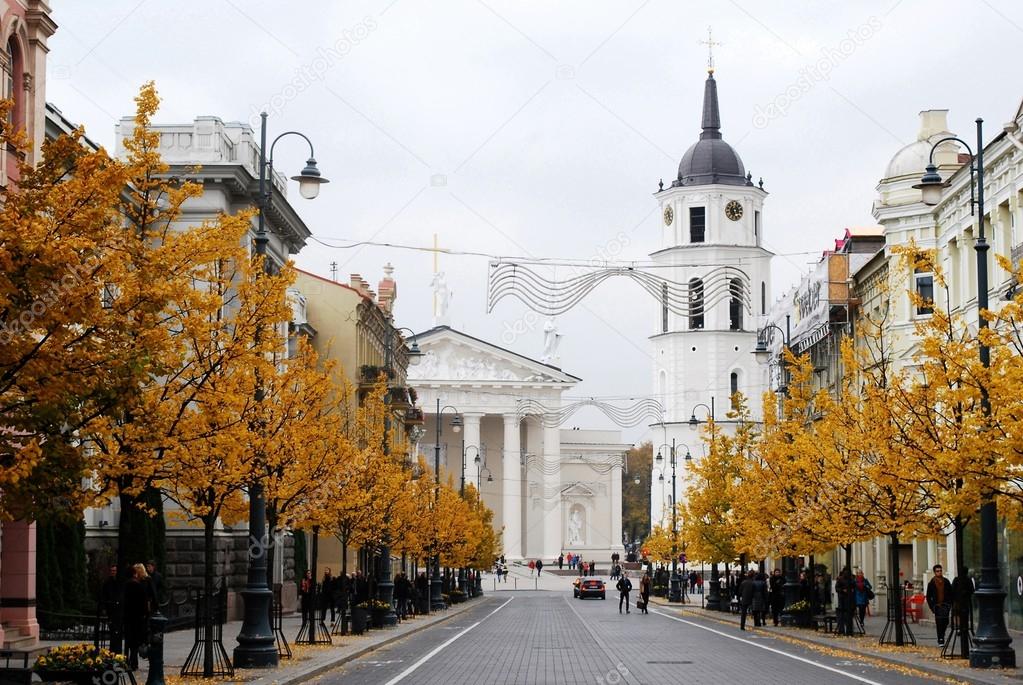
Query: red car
point(592, 587)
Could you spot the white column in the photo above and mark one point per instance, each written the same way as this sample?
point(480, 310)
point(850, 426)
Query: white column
point(615, 543)
point(552, 523)
point(511, 489)
point(472, 439)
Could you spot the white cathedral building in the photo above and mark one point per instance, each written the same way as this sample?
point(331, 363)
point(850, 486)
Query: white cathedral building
point(712, 247)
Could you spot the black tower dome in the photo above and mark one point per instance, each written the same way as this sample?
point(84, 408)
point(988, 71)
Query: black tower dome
point(710, 159)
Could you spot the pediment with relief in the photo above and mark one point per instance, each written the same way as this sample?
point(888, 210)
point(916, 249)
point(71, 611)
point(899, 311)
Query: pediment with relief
point(451, 356)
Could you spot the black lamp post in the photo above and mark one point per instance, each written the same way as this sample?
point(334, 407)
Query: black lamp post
point(763, 355)
point(436, 585)
point(481, 466)
point(465, 451)
point(991, 643)
point(384, 581)
point(675, 583)
point(257, 647)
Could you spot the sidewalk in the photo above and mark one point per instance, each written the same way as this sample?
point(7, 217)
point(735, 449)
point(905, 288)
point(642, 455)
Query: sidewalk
point(924, 656)
point(308, 661)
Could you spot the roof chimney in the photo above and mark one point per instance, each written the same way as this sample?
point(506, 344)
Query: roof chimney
point(388, 289)
point(932, 122)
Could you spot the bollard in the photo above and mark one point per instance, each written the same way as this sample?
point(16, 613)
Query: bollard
point(157, 626)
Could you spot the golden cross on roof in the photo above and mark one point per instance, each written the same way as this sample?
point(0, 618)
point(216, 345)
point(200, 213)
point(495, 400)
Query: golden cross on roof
point(710, 43)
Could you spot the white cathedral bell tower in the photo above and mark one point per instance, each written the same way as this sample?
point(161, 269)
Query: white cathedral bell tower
point(712, 228)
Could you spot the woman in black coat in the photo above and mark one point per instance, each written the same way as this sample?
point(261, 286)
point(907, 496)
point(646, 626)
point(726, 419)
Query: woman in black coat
point(137, 609)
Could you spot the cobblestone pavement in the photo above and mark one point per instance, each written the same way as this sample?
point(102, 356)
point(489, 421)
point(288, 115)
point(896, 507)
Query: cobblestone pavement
point(534, 638)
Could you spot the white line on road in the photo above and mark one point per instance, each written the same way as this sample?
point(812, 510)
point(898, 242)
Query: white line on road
point(771, 649)
point(408, 671)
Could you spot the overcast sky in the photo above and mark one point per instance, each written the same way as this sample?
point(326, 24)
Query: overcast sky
point(542, 128)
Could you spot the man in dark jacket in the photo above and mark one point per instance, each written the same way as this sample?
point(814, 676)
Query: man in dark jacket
point(539, 566)
point(939, 599)
point(759, 605)
point(745, 599)
point(776, 587)
point(624, 587)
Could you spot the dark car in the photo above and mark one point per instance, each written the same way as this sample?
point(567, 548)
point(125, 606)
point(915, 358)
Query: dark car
point(592, 587)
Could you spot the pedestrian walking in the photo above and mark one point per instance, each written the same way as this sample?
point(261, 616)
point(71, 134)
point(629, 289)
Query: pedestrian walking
point(644, 592)
point(539, 566)
point(137, 609)
point(593, 568)
point(156, 584)
point(110, 598)
point(863, 593)
point(582, 568)
point(759, 605)
point(326, 592)
point(624, 587)
point(561, 561)
point(532, 566)
point(745, 599)
point(845, 590)
point(939, 599)
point(305, 595)
point(776, 590)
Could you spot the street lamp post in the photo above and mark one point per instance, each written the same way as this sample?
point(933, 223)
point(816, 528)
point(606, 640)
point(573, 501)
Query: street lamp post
point(465, 450)
point(992, 643)
point(436, 601)
point(714, 602)
point(675, 593)
point(257, 647)
point(790, 567)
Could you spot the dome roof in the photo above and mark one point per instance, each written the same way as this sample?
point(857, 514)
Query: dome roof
point(912, 159)
point(711, 159)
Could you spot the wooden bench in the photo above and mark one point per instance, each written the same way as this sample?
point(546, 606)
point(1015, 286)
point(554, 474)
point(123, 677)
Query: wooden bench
point(826, 621)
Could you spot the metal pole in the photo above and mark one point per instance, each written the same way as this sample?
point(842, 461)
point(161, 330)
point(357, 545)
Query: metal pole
point(436, 601)
point(674, 585)
point(992, 641)
point(256, 645)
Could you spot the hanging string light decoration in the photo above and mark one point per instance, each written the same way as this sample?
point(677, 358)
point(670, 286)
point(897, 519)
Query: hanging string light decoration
point(643, 410)
point(555, 297)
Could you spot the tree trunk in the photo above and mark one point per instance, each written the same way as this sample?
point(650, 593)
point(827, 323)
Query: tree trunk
point(896, 607)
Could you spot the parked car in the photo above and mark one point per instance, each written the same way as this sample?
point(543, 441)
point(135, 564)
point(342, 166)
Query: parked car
point(592, 587)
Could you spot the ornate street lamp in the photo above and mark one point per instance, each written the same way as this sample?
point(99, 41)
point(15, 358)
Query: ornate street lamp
point(991, 642)
point(789, 566)
point(257, 647)
point(436, 586)
point(675, 593)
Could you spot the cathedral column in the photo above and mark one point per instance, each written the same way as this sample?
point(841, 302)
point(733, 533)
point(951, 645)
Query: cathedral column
point(552, 520)
point(472, 439)
point(18, 582)
point(615, 543)
point(511, 489)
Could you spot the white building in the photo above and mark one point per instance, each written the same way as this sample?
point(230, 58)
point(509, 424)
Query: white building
point(712, 247)
point(551, 490)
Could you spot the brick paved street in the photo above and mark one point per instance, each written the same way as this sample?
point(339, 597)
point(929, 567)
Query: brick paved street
point(547, 637)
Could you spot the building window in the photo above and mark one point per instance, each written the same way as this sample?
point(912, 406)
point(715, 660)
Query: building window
point(697, 224)
point(13, 69)
point(756, 226)
point(763, 298)
point(733, 388)
point(735, 304)
point(924, 284)
point(695, 303)
point(664, 308)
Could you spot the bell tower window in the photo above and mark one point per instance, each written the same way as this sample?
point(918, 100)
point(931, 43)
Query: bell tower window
point(695, 304)
point(735, 304)
point(697, 224)
point(13, 67)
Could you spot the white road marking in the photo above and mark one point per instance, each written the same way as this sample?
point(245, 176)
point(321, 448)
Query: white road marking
point(772, 649)
point(408, 671)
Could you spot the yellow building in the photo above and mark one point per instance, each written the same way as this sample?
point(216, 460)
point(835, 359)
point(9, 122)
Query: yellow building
point(353, 325)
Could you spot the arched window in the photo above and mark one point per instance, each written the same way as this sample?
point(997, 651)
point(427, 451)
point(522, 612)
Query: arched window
point(735, 304)
point(695, 303)
point(664, 308)
point(733, 388)
point(14, 68)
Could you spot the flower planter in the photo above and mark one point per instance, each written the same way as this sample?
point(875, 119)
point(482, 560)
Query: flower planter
point(457, 598)
point(378, 617)
point(87, 677)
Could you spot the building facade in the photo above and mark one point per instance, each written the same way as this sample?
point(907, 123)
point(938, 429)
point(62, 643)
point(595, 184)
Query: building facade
point(552, 491)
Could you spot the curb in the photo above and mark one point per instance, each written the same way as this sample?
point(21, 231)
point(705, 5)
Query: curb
point(320, 669)
point(929, 669)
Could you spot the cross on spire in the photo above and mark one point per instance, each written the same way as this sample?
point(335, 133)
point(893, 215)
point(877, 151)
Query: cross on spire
point(710, 43)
